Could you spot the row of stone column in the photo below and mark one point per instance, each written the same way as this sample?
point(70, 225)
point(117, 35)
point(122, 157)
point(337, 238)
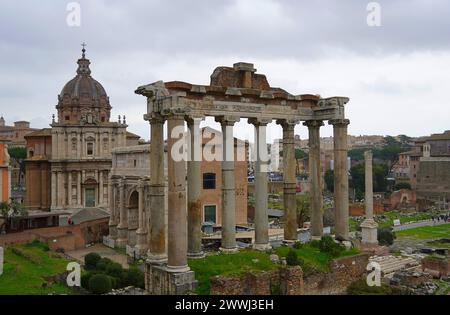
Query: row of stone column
point(340, 178)
point(184, 223)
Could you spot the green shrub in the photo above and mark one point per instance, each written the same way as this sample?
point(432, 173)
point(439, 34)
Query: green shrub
point(91, 260)
point(114, 270)
point(386, 236)
point(329, 246)
point(297, 245)
point(360, 287)
point(292, 258)
point(100, 284)
point(85, 277)
point(103, 263)
point(134, 277)
point(115, 282)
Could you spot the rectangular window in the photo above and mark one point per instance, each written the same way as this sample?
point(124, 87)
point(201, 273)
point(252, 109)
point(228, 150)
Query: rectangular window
point(209, 181)
point(90, 148)
point(210, 214)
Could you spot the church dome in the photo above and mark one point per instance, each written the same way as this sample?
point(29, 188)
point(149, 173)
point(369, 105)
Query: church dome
point(83, 96)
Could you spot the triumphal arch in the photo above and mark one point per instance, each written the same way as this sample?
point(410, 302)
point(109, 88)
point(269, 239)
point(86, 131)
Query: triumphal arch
point(234, 92)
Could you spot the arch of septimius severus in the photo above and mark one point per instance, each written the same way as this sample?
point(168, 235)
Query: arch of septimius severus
point(234, 93)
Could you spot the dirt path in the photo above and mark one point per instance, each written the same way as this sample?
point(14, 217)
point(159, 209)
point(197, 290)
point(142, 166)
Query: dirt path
point(103, 251)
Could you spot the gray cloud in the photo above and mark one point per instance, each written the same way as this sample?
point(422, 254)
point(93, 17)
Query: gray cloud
point(135, 42)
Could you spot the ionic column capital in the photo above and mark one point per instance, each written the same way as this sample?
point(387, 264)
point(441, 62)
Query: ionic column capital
point(313, 123)
point(227, 120)
point(194, 120)
point(155, 118)
point(339, 122)
point(259, 121)
point(288, 124)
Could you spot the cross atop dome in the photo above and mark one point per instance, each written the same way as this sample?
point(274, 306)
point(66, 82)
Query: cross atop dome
point(83, 63)
point(83, 50)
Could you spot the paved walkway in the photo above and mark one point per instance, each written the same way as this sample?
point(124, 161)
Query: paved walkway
point(413, 225)
point(103, 251)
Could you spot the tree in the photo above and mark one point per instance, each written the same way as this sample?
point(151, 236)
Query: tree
point(8, 211)
point(380, 172)
point(303, 209)
point(329, 180)
point(18, 156)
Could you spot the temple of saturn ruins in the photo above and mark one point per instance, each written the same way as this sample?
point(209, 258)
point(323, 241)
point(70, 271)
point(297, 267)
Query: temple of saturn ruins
point(234, 93)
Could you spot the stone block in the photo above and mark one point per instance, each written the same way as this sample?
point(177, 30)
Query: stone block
point(160, 281)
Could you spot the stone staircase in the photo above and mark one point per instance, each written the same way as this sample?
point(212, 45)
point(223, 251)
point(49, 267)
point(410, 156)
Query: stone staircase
point(390, 264)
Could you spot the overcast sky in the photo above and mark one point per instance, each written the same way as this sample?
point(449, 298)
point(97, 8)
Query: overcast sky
point(396, 75)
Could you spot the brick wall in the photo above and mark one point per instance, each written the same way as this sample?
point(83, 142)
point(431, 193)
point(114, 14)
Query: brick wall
point(290, 280)
point(66, 237)
point(440, 266)
point(344, 271)
point(285, 281)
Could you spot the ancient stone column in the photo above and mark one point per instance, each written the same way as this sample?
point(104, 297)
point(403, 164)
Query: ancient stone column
point(79, 189)
point(157, 226)
point(369, 226)
point(261, 182)
point(54, 190)
point(100, 188)
point(315, 178)
point(340, 178)
point(122, 228)
point(69, 188)
point(290, 181)
point(61, 193)
point(177, 218)
point(194, 178)
point(141, 233)
point(112, 210)
point(228, 185)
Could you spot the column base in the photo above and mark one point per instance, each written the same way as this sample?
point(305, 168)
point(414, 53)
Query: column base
point(156, 259)
point(121, 242)
point(262, 247)
point(197, 255)
point(289, 242)
point(229, 250)
point(369, 231)
point(177, 269)
point(316, 237)
point(160, 281)
point(113, 232)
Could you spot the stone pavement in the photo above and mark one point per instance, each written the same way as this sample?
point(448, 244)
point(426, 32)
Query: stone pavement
point(103, 251)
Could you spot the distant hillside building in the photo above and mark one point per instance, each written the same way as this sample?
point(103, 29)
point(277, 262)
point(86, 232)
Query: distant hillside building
point(68, 165)
point(15, 134)
point(433, 176)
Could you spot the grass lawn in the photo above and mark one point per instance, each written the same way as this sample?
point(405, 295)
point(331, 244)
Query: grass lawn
point(25, 269)
point(229, 265)
point(425, 232)
point(390, 216)
point(250, 260)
